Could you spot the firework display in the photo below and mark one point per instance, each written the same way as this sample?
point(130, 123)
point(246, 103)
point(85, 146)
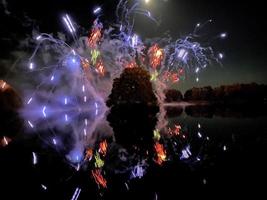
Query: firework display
point(69, 81)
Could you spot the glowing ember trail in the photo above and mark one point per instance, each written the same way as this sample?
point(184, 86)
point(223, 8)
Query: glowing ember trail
point(103, 147)
point(161, 153)
point(99, 179)
point(94, 37)
point(156, 56)
point(70, 78)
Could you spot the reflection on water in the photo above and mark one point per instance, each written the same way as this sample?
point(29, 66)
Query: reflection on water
point(201, 150)
point(209, 111)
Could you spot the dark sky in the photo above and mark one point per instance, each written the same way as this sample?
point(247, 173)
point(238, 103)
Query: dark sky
point(244, 21)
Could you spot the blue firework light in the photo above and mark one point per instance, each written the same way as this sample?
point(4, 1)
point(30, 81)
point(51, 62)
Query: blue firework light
point(61, 98)
point(187, 55)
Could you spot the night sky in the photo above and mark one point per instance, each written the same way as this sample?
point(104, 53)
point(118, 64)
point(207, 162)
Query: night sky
point(244, 21)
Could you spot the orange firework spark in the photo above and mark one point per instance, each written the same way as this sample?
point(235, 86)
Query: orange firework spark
point(130, 65)
point(100, 68)
point(166, 76)
point(156, 55)
point(99, 179)
point(88, 154)
point(4, 141)
point(175, 78)
point(85, 63)
point(94, 37)
point(161, 153)
point(103, 147)
point(177, 129)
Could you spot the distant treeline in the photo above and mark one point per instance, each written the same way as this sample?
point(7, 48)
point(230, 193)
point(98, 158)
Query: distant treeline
point(236, 93)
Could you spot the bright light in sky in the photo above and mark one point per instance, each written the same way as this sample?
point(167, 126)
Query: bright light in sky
point(147, 1)
point(223, 35)
point(97, 10)
point(221, 56)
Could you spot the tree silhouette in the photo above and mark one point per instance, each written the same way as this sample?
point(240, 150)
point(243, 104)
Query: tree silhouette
point(132, 87)
point(173, 95)
point(229, 94)
point(10, 103)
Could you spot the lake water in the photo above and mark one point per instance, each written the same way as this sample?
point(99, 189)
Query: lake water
point(234, 158)
point(192, 151)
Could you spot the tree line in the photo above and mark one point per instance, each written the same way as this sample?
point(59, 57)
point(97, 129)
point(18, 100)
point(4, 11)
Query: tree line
point(236, 93)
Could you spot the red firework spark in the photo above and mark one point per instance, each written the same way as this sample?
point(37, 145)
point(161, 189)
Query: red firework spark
point(161, 153)
point(156, 55)
point(94, 37)
point(99, 179)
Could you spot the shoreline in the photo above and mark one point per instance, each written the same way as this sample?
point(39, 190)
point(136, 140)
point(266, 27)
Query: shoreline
point(185, 103)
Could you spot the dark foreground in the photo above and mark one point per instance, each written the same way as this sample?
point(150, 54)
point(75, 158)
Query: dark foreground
point(228, 158)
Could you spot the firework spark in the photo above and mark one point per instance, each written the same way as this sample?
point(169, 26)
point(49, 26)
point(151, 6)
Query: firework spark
point(103, 147)
point(156, 55)
point(99, 179)
point(74, 84)
point(161, 153)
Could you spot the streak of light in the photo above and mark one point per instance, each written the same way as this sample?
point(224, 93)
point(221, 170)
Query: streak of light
point(31, 125)
point(39, 37)
point(31, 66)
point(66, 117)
point(44, 108)
point(99, 179)
point(76, 194)
point(5, 140)
point(126, 185)
point(54, 141)
point(34, 158)
point(29, 101)
point(44, 187)
point(4, 84)
point(97, 10)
